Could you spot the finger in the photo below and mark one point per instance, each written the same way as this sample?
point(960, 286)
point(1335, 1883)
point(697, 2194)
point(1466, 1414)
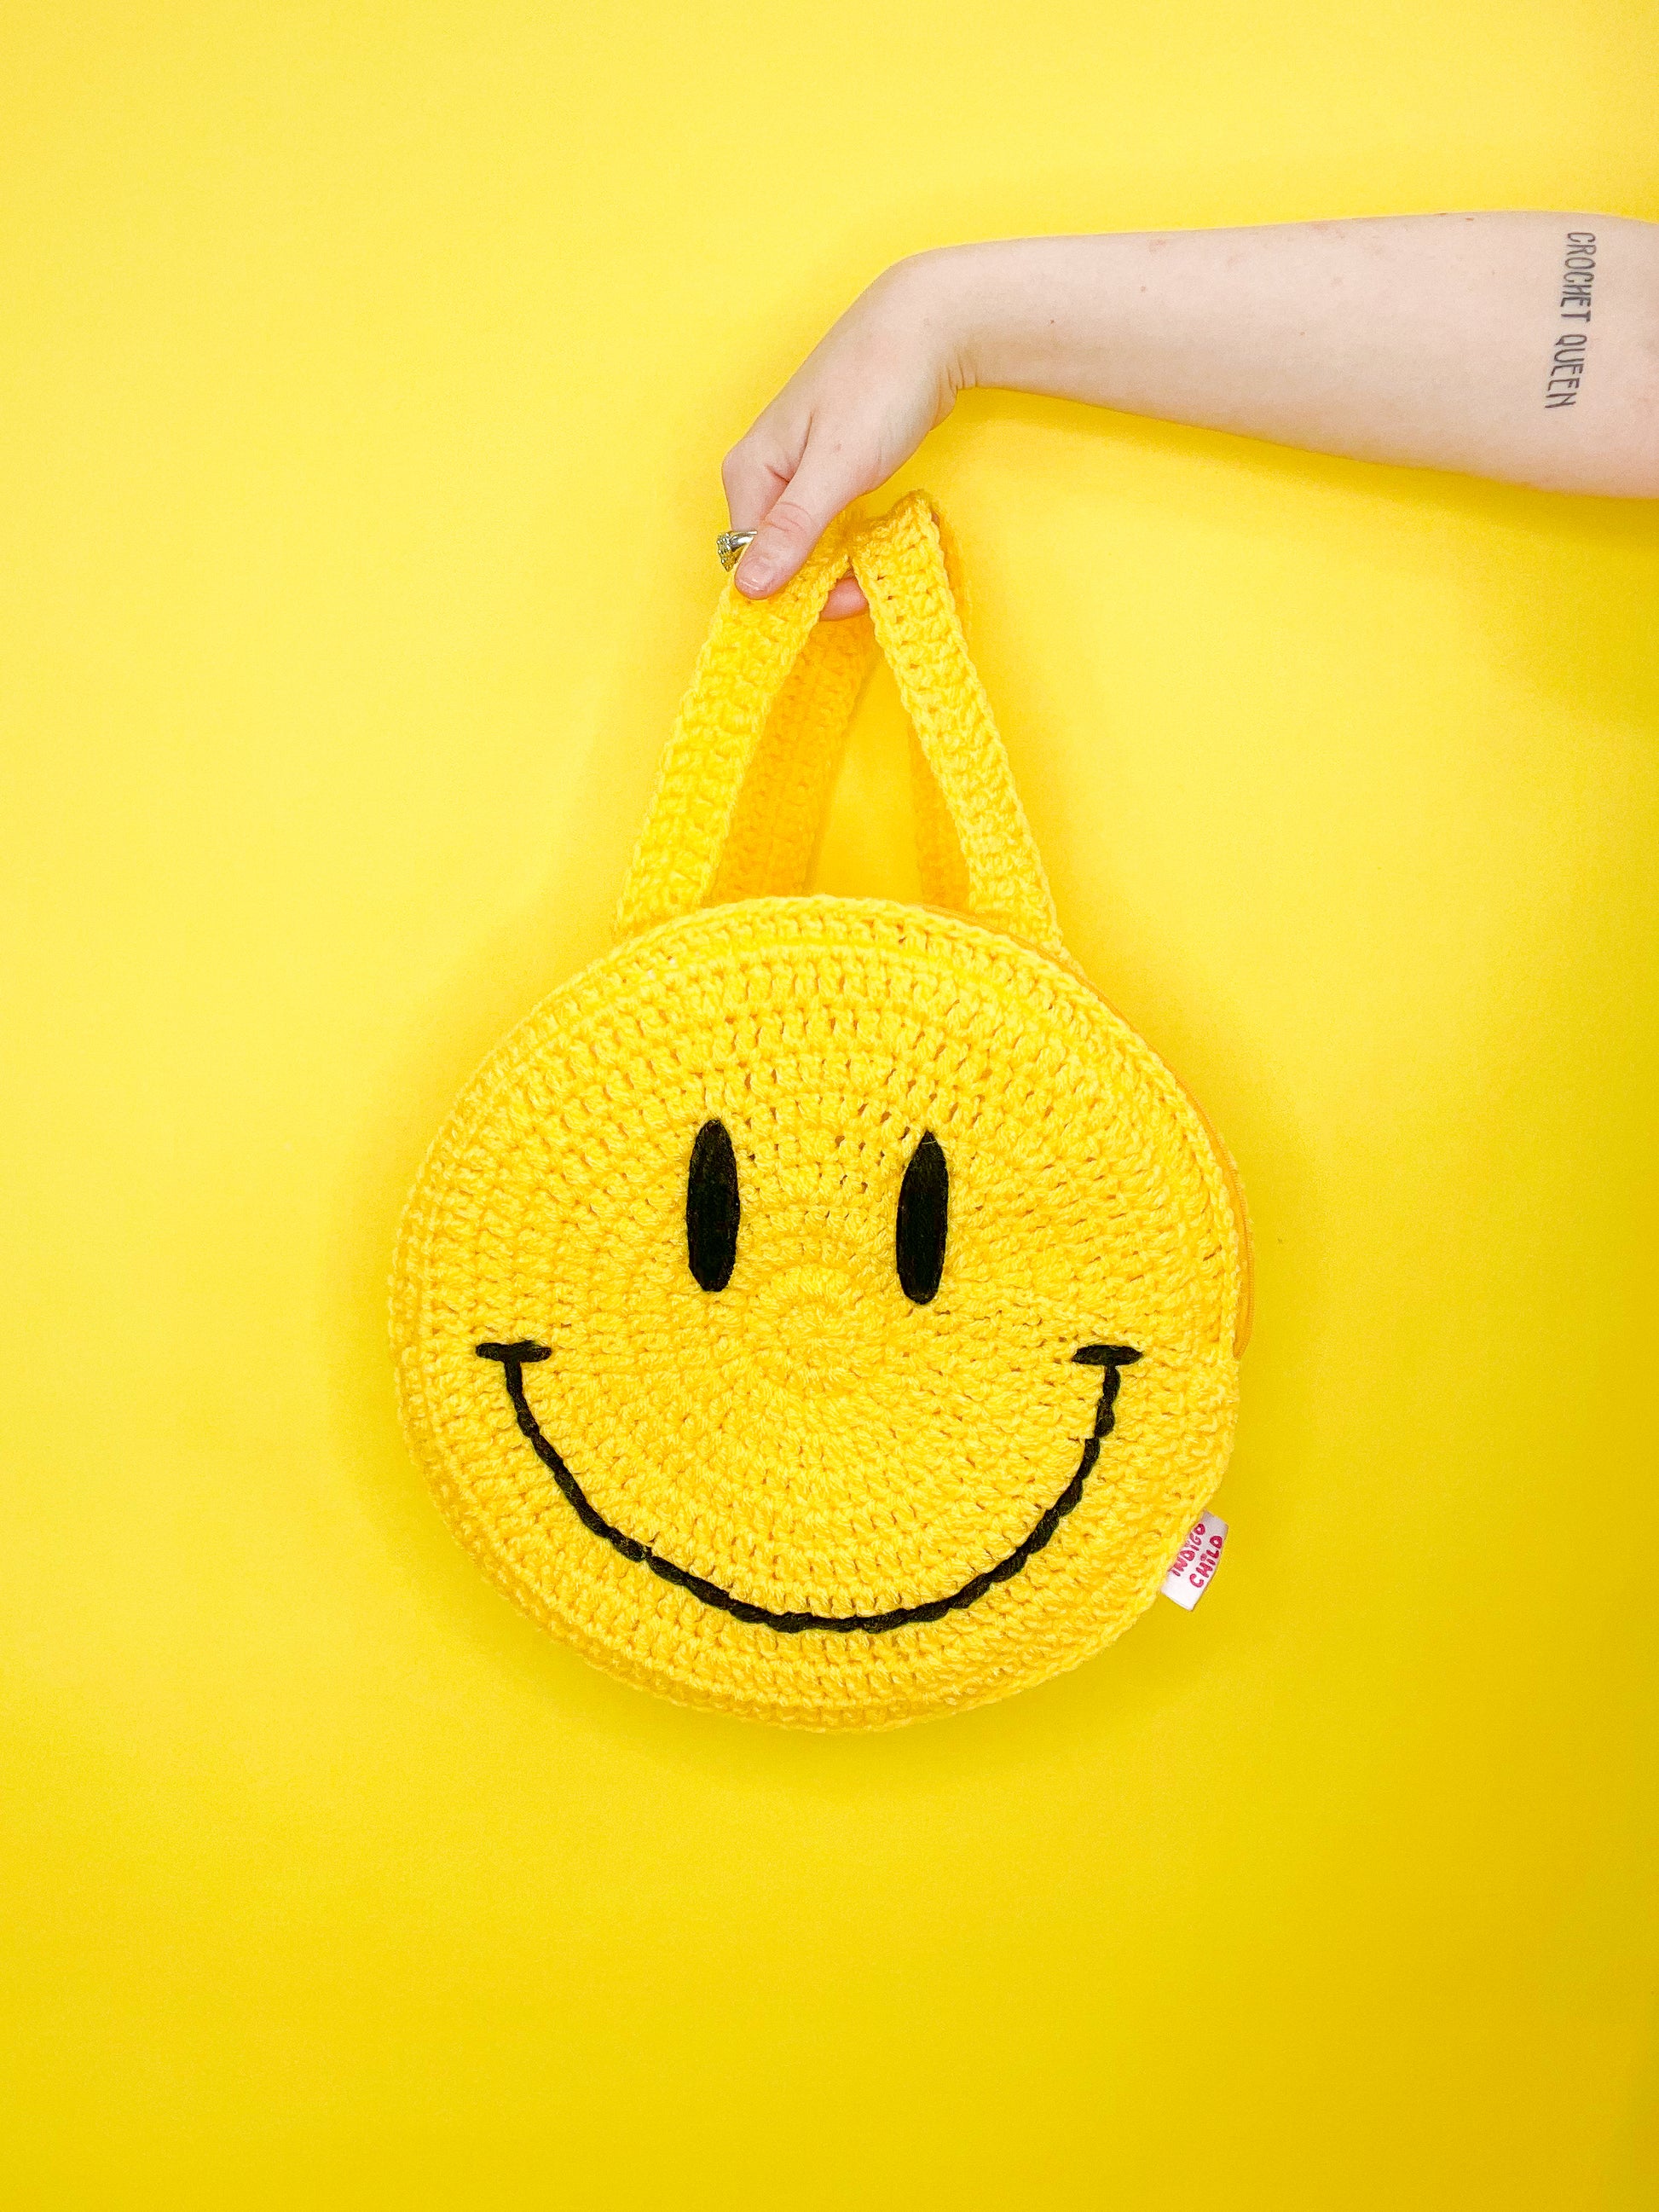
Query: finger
point(794, 522)
point(753, 474)
point(846, 599)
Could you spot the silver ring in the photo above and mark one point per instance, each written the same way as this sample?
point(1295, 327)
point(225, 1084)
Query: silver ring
point(730, 545)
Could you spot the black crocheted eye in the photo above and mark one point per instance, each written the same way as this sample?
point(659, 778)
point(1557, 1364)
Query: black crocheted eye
point(712, 1208)
point(924, 1220)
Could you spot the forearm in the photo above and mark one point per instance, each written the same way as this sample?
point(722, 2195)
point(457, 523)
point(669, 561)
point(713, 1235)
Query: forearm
point(1518, 346)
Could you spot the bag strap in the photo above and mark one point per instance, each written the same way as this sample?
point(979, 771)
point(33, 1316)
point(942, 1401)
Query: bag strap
point(900, 562)
point(784, 798)
point(746, 775)
point(751, 651)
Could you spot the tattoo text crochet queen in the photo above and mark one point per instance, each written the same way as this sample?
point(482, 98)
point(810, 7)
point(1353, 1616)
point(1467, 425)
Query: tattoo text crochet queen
point(1572, 341)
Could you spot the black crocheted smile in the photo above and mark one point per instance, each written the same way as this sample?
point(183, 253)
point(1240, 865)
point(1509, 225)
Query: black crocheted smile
point(1110, 1359)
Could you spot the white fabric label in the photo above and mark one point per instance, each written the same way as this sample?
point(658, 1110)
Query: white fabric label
point(1196, 1561)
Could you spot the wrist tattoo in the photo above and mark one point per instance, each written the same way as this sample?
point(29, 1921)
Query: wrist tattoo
point(1572, 340)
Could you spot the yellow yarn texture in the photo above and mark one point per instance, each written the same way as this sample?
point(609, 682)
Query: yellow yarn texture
point(826, 1309)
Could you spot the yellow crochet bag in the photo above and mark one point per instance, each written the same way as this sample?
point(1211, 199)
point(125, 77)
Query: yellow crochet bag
point(826, 1309)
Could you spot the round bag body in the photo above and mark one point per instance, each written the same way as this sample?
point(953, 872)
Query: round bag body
point(826, 1309)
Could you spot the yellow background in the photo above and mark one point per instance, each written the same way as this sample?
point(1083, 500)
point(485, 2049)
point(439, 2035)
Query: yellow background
point(367, 371)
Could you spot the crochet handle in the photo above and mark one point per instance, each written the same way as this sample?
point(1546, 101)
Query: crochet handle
point(774, 689)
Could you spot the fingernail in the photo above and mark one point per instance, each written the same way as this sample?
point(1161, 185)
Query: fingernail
point(756, 577)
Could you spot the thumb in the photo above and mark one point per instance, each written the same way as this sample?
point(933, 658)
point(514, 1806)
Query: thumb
point(797, 518)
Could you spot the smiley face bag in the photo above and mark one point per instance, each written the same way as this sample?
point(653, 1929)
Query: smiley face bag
point(826, 1309)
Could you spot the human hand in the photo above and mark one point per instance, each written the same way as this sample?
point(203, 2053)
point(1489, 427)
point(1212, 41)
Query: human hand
point(855, 410)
